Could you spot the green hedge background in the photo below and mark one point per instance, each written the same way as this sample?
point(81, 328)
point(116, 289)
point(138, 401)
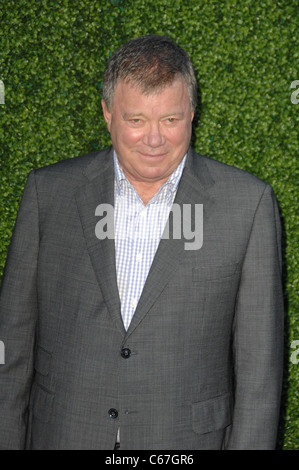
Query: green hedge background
point(52, 57)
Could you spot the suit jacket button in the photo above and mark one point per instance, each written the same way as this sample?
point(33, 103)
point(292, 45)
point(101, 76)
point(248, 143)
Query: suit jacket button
point(125, 353)
point(113, 413)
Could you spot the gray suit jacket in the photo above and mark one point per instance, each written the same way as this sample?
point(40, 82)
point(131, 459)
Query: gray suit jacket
point(205, 344)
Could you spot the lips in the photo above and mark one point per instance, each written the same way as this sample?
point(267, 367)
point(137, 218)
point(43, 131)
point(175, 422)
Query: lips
point(146, 155)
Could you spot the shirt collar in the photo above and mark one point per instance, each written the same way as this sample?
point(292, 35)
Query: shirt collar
point(172, 182)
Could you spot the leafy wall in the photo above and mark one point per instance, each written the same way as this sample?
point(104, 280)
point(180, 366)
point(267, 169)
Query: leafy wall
point(52, 57)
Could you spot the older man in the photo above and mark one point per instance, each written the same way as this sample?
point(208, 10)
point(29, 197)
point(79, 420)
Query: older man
point(132, 337)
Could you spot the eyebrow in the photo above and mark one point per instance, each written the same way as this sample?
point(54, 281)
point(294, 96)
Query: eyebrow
point(137, 115)
point(131, 115)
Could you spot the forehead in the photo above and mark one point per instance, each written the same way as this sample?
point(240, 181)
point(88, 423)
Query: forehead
point(127, 93)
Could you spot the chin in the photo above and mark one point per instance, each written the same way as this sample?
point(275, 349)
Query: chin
point(153, 175)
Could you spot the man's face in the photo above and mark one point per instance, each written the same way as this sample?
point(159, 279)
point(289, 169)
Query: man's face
point(150, 133)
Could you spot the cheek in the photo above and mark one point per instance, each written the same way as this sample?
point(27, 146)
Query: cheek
point(131, 137)
point(178, 137)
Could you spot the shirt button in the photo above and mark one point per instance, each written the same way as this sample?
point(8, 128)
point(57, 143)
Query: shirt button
point(139, 257)
point(125, 353)
point(113, 413)
point(133, 303)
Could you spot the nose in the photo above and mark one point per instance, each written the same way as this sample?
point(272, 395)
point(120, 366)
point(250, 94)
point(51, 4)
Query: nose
point(153, 137)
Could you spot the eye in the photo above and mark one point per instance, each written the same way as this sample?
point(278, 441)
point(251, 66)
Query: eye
point(171, 121)
point(135, 122)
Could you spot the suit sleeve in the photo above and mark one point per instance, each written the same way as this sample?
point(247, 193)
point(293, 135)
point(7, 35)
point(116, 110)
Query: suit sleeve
point(258, 335)
point(18, 314)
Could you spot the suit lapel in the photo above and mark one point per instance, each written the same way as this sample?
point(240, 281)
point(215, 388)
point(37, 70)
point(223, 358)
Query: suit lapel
point(193, 189)
point(100, 190)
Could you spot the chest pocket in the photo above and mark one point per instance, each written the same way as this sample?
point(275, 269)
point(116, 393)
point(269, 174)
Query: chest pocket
point(214, 273)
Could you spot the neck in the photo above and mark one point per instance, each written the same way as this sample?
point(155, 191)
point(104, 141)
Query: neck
point(147, 190)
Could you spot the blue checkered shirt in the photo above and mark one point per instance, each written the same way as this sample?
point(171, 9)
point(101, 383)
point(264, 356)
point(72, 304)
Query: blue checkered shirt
point(138, 230)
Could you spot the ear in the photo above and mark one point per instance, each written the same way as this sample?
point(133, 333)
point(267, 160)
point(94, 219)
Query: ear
point(107, 114)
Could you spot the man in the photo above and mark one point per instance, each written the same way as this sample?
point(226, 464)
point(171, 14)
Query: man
point(133, 335)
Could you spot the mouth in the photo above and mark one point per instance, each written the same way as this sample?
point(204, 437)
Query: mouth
point(152, 156)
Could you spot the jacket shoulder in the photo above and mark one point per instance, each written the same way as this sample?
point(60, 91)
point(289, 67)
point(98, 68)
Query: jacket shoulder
point(73, 166)
point(225, 175)
point(61, 180)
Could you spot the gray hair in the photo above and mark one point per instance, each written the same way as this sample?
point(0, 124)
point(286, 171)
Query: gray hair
point(150, 63)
